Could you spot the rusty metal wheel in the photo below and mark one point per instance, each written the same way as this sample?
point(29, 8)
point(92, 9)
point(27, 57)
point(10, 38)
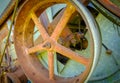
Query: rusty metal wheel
point(51, 42)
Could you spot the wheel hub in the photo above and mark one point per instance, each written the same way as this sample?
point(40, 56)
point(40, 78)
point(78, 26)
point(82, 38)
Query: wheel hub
point(47, 45)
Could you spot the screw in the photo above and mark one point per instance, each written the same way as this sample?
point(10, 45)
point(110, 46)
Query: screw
point(108, 51)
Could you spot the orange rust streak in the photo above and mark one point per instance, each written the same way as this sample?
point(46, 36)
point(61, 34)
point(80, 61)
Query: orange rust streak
point(35, 49)
point(3, 32)
point(111, 6)
point(40, 27)
point(51, 65)
point(63, 21)
point(70, 54)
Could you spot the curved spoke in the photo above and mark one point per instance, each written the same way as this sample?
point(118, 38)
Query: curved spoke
point(51, 65)
point(40, 27)
point(63, 21)
point(35, 49)
point(70, 54)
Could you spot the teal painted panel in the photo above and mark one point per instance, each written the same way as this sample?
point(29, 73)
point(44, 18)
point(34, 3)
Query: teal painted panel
point(3, 6)
point(107, 70)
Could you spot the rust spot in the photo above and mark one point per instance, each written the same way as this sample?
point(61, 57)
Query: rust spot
point(33, 73)
point(20, 33)
point(77, 81)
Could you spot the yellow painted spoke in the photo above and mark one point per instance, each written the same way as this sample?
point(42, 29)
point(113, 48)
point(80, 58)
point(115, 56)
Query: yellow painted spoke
point(63, 21)
point(40, 27)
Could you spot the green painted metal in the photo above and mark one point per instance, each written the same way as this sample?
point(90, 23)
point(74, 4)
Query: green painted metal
point(108, 68)
point(3, 6)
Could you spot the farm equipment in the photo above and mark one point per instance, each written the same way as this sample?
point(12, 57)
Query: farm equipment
point(55, 41)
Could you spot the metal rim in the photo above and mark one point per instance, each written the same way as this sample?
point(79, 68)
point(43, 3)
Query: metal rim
point(33, 69)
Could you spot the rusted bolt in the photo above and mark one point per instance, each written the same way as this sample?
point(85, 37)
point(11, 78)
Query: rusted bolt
point(73, 41)
point(108, 51)
point(77, 81)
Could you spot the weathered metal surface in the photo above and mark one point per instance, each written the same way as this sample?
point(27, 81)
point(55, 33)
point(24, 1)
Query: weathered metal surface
point(103, 73)
point(7, 7)
point(107, 70)
point(3, 6)
point(17, 76)
point(111, 6)
point(3, 32)
point(11, 77)
point(24, 31)
point(105, 12)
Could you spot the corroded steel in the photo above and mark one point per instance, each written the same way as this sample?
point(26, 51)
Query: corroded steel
point(111, 6)
point(115, 19)
point(3, 32)
point(11, 77)
point(26, 50)
point(17, 76)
